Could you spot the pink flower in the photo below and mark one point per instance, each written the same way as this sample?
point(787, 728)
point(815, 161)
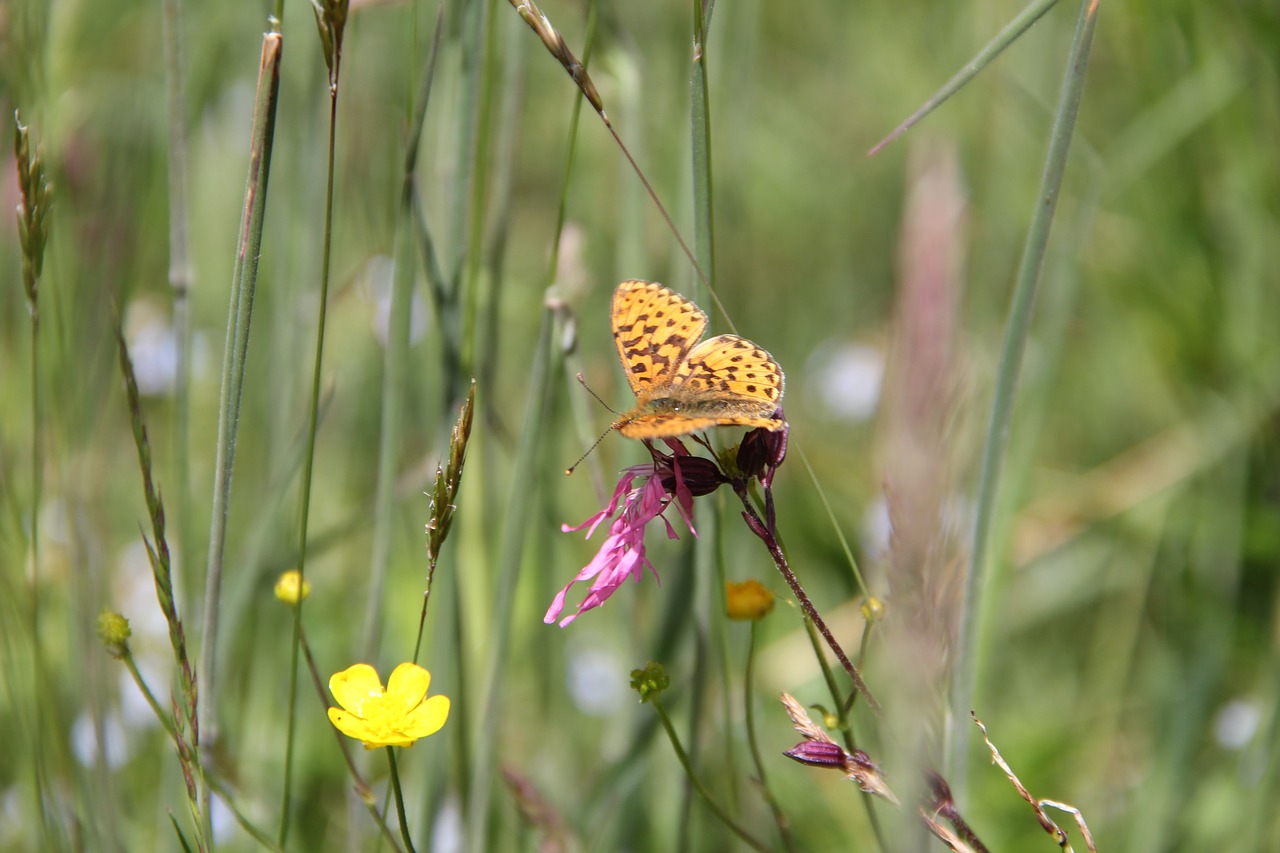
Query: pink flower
point(621, 555)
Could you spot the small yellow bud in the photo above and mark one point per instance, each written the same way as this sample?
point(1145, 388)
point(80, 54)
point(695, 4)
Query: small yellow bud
point(291, 588)
point(747, 601)
point(114, 631)
point(873, 609)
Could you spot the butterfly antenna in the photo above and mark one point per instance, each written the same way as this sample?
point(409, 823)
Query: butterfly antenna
point(584, 384)
point(596, 443)
point(574, 466)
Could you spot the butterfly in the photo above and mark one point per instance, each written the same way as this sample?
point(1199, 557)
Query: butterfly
point(682, 386)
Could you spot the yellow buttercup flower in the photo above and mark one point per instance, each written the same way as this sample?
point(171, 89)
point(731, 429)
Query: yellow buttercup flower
point(288, 588)
point(397, 716)
point(747, 601)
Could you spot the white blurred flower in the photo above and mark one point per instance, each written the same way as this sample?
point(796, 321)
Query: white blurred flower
point(1236, 723)
point(877, 530)
point(223, 821)
point(845, 379)
point(113, 748)
point(597, 678)
point(446, 829)
point(153, 348)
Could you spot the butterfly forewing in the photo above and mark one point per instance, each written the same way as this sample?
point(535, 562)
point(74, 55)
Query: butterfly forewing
point(654, 328)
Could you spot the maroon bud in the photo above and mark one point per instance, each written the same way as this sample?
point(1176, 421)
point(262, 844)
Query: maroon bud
point(700, 476)
point(819, 753)
point(763, 450)
point(752, 453)
point(757, 526)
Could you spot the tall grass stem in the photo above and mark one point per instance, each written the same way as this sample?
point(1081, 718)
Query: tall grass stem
point(1011, 32)
point(240, 313)
point(1017, 331)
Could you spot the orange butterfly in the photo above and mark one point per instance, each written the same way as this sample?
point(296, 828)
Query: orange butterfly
point(682, 386)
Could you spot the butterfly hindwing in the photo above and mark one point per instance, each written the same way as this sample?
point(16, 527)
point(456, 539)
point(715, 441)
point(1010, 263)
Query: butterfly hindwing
point(735, 370)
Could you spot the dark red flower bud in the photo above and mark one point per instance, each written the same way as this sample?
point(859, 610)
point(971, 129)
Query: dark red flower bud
point(762, 451)
point(819, 753)
point(700, 476)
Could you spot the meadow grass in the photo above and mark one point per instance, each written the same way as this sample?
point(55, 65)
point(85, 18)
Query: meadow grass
point(315, 293)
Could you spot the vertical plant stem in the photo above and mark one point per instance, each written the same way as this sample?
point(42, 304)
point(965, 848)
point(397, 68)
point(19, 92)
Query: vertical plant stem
point(185, 704)
point(399, 796)
point(748, 705)
point(180, 280)
point(479, 50)
point(407, 233)
point(36, 193)
point(313, 413)
point(522, 499)
point(244, 280)
point(393, 385)
point(704, 555)
point(1017, 330)
point(38, 765)
point(700, 139)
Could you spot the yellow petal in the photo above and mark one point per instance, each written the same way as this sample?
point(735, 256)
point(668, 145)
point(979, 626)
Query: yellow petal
point(349, 724)
point(354, 685)
point(426, 719)
point(407, 686)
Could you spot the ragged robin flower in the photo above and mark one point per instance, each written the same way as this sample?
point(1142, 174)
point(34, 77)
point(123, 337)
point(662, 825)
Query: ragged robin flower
point(674, 478)
point(397, 716)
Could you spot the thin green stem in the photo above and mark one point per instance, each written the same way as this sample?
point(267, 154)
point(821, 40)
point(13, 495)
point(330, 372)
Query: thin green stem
point(167, 723)
point(835, 523)
point(748, 702)
point(309, 454)
point(704, 246)
point(1007, 36)
point(522, 498)
point(394, 376)
point(399, 795)
point(683, 758)
point(1017, 330)
point(38, 765)
point(700, 147)
point(180, 280)
point(32, 213)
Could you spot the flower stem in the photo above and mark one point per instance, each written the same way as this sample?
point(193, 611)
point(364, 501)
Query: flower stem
point(395, 786)
point(683, 757)
point(308, 468)
point(784, 826)
point(770, 540)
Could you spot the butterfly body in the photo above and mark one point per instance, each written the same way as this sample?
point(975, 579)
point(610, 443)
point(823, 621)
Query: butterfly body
point(681, 385)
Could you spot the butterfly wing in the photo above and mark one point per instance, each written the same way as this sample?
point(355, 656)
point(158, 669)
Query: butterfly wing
point(732, 375)
point(654, 329)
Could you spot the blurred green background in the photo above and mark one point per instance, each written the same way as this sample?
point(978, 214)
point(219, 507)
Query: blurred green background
point(1129, 628)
